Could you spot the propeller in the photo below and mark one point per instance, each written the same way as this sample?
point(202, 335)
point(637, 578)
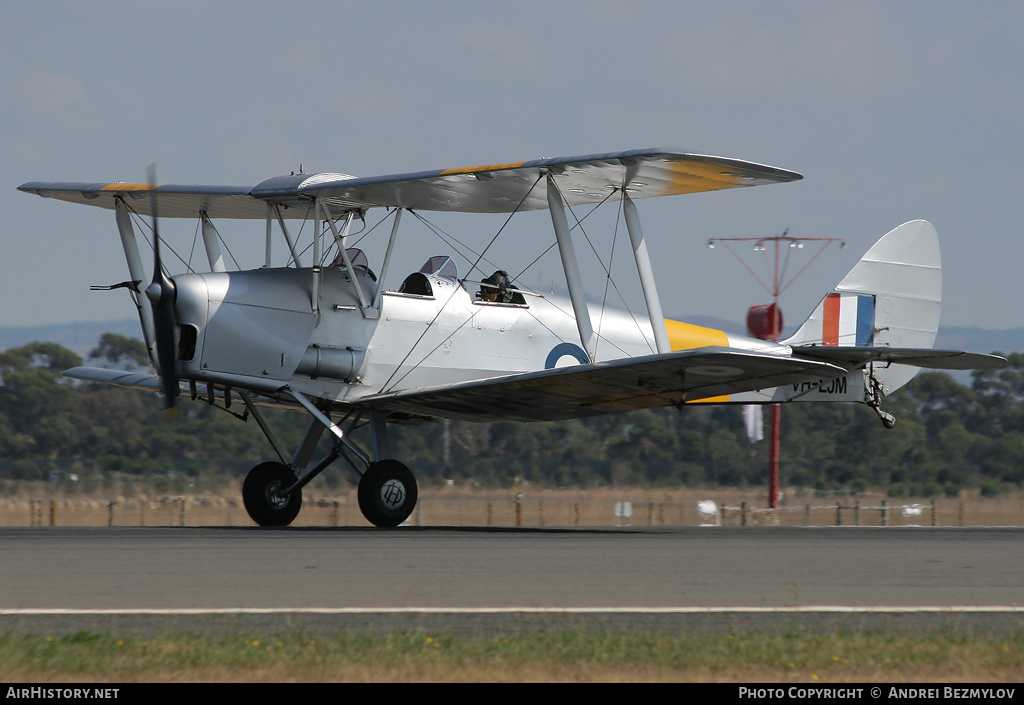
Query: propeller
point(161, 294)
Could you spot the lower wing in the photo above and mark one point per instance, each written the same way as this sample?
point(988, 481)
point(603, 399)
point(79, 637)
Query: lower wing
point(605, 387)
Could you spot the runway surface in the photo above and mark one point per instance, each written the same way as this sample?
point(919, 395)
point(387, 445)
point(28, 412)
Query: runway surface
point(60, 578)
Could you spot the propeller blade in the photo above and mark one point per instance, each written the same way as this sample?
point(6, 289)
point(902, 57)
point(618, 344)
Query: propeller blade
point(161, 293)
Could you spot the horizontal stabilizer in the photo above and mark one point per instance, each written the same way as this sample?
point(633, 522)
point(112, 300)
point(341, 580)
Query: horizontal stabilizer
point(607, 387)
point(918, 357)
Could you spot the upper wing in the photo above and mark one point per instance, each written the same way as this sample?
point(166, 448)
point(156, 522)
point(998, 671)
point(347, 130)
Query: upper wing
point(491, 188)
point(916, 357)
point(606, 387)
point(175, 201)
point(504, 188)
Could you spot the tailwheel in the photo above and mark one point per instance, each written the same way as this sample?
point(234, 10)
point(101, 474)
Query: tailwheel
point(261, 494)
point(387, 493)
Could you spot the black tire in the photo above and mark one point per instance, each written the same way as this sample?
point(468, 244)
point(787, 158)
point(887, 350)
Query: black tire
point(387, 493)
point(259, 494)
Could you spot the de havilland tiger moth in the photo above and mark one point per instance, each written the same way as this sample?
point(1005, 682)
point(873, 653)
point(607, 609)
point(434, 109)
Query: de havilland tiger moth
point(327, 337)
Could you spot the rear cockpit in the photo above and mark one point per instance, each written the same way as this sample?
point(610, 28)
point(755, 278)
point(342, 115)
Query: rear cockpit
point(498, 289)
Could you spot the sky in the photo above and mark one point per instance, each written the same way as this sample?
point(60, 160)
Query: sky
point(892, 111)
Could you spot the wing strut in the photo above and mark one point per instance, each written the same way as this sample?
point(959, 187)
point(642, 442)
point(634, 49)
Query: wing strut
point(270, 233)
point(130, 245)
point(287, 236)
point(340, 239)
point(571, 268)
point(387, 261)
point(643, 268)
point(317, 264)
point(212, 244)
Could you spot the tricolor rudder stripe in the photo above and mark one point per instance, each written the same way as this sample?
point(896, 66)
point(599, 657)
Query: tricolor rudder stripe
point(849, 319)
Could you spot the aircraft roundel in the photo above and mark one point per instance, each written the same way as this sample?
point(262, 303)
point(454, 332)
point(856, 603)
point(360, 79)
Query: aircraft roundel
point(556, 358)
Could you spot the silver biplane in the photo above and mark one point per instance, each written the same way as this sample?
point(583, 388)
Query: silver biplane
point(328, 337)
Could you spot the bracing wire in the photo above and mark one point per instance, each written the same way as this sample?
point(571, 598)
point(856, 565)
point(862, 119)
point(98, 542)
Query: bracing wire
point(474, 266)
point(607, 269)
point(225, 244)
point(450, 240)
point(195, 239)
point(148, 227)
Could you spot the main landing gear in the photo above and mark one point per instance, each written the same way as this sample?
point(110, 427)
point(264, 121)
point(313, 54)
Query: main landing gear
point(387, 494)
point(272, 491)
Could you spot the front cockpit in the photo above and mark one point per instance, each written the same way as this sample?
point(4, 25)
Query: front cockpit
point(440, 267)
point(357, 258)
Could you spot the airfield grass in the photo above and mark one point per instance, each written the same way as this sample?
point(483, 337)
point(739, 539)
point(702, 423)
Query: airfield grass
point(565, 657)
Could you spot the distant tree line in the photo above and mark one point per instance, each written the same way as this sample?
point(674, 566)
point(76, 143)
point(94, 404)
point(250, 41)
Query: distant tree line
point(949, 437)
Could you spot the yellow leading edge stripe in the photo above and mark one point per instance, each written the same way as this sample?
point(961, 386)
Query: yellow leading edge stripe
point(130, 187)
point(686, 336)
point(482, 167)
point(691, 177)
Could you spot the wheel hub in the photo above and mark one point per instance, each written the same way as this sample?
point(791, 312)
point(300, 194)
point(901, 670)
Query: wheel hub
point(392, 494)
point(274, 498)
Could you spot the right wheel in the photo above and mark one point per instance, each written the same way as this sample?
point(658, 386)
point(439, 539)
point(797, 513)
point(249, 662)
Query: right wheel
point(261, 494)
point(387, 493)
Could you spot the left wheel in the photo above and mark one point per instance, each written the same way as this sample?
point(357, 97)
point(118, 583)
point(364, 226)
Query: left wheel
point(261, 494)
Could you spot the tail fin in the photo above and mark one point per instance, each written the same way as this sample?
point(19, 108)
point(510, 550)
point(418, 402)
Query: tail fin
point(891, 298)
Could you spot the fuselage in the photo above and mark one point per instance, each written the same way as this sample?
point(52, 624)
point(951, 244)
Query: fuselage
point(267, 328)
